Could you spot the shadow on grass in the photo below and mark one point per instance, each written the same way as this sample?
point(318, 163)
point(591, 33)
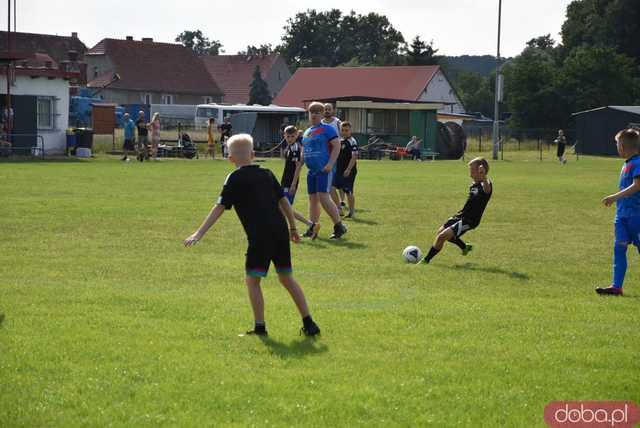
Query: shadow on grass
point(36, 160)
point(362, 221)
point(296, 349)
point(492, 269)
point(343, 243)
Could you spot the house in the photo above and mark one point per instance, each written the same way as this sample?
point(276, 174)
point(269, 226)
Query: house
point(39, 90)
point(66, 51)
point(427, 84)
point(596, 128)
point(148, 72)
point(234, 74)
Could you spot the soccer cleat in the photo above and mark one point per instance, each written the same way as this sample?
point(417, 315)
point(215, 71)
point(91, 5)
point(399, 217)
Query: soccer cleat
point(350, 215)
point(609, 291)
point(338, 231)
point(310, 330)
point(312, 231)
point(257, 333)
point(467, 249)
point(423, 261)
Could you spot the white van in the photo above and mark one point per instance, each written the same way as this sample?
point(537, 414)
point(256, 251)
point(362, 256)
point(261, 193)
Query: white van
point(220, 111)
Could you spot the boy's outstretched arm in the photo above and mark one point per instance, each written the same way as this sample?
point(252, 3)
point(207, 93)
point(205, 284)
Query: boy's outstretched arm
point(211, 219)
point(286, 209)
point(486, 184)
point(630, 190)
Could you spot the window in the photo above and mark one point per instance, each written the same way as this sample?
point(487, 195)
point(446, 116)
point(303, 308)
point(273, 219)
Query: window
point(167, 99)
point(388, 122)
point(45, 113)
point(146, 98)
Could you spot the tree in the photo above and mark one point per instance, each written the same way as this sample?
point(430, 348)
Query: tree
point(197, 42)
point(531, 87)
point(594, 76)
point(262, 50)
point(328, 39)
point(475, 92)
point(259, 93)
point(421, 53)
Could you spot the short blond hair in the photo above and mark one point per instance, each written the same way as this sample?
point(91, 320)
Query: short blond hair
point(629, 138)
point(316, 107)
point(240, 145)
point(479, 161)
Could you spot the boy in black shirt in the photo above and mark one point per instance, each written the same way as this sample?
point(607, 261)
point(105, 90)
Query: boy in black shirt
point(346, 168)
point(292, 166)
point(260, 204)
point(143, 137)
point(469, 216)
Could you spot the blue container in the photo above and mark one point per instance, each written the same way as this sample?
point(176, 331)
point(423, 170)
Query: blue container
point(71, 139)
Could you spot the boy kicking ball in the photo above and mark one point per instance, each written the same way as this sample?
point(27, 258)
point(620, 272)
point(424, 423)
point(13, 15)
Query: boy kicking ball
point(259, 202)
point(469, 216)
point(627, 220)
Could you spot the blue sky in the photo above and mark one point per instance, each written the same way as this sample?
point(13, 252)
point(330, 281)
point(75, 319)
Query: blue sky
point(456, 27)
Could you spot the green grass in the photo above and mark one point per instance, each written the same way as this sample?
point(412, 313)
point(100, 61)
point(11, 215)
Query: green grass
point(110, 321)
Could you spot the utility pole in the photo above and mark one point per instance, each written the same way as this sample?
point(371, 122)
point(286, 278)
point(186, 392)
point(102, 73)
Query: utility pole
point(496, 107)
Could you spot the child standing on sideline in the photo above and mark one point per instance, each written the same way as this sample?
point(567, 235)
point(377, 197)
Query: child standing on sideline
point(346, 170)
point(260, 204)
point(292, 166)
point(211, 142)
point(627, 220)
point(469, 216)
point(129, 136)
point(320, 148)
point(154, 127)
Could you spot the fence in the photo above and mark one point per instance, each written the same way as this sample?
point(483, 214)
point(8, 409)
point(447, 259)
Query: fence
point(9, 148)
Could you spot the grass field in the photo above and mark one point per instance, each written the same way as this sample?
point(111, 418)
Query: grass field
point(111, 322)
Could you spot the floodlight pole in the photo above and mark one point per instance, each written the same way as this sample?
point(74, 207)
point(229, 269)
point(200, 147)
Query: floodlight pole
point(496, 106)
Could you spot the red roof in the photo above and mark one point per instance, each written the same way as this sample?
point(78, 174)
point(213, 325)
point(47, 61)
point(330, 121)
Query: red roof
point(151, 66)
point(234, 73)
point(57, 47)
point(41, 65)
point(397, 83)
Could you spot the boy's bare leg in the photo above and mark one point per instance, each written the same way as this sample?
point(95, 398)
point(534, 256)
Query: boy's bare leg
point(443, 236)
point(255, 297)
point(296, 293)
point(334, 196)
point(351, 200)
point(329, 207)
point(314, 207)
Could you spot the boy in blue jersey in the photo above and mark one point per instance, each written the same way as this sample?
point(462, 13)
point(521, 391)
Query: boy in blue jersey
point(321, 146)
point(627, 221)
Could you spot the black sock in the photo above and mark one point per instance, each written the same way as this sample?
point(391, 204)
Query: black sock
point(459, 242)
point(432, 254)
point(307, 321)
point(261, 326)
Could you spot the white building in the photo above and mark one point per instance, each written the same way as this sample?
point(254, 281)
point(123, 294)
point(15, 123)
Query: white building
point(40, 99)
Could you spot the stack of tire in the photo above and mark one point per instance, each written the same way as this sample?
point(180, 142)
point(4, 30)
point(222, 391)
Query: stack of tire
point(452, 140)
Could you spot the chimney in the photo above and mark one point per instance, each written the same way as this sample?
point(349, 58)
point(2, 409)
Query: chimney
point(129, 38)
point(72, 55)
point(74, 35)
point(147, 39)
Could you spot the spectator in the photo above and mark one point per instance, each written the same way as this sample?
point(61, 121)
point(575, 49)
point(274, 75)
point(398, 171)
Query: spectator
point(154, 127)
point(413, 148)
point(561, 141)
point(143, 137)
point(129, 136)
point(211, 142)
point(226, 130)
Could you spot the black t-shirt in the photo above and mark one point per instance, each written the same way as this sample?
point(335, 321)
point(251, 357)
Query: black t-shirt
point(348, 147)
point(255, 193)
point(292, 157)
point(142, 128)
point(477, 201)
point(225, 130)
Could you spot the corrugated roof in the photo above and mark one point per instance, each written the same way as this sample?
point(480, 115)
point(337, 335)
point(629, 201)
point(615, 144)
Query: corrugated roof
point(234, 73)
point(628, 109)
point(152, 66)
point(399, 83)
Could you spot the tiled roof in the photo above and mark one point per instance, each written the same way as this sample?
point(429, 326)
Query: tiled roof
point(57, 47)
point(152, 66)
point(397, 83)
point(234, 73)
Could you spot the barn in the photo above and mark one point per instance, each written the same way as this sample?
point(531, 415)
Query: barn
point(596, 129)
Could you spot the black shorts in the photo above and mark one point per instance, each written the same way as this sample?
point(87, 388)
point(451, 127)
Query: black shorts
point(560, 151)
point(458, 225)
point(128, 144)
point(344, 183)
point(260, 254)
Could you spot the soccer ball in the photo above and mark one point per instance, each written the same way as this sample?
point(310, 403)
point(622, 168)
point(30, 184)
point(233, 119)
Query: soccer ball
point(412, 254)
